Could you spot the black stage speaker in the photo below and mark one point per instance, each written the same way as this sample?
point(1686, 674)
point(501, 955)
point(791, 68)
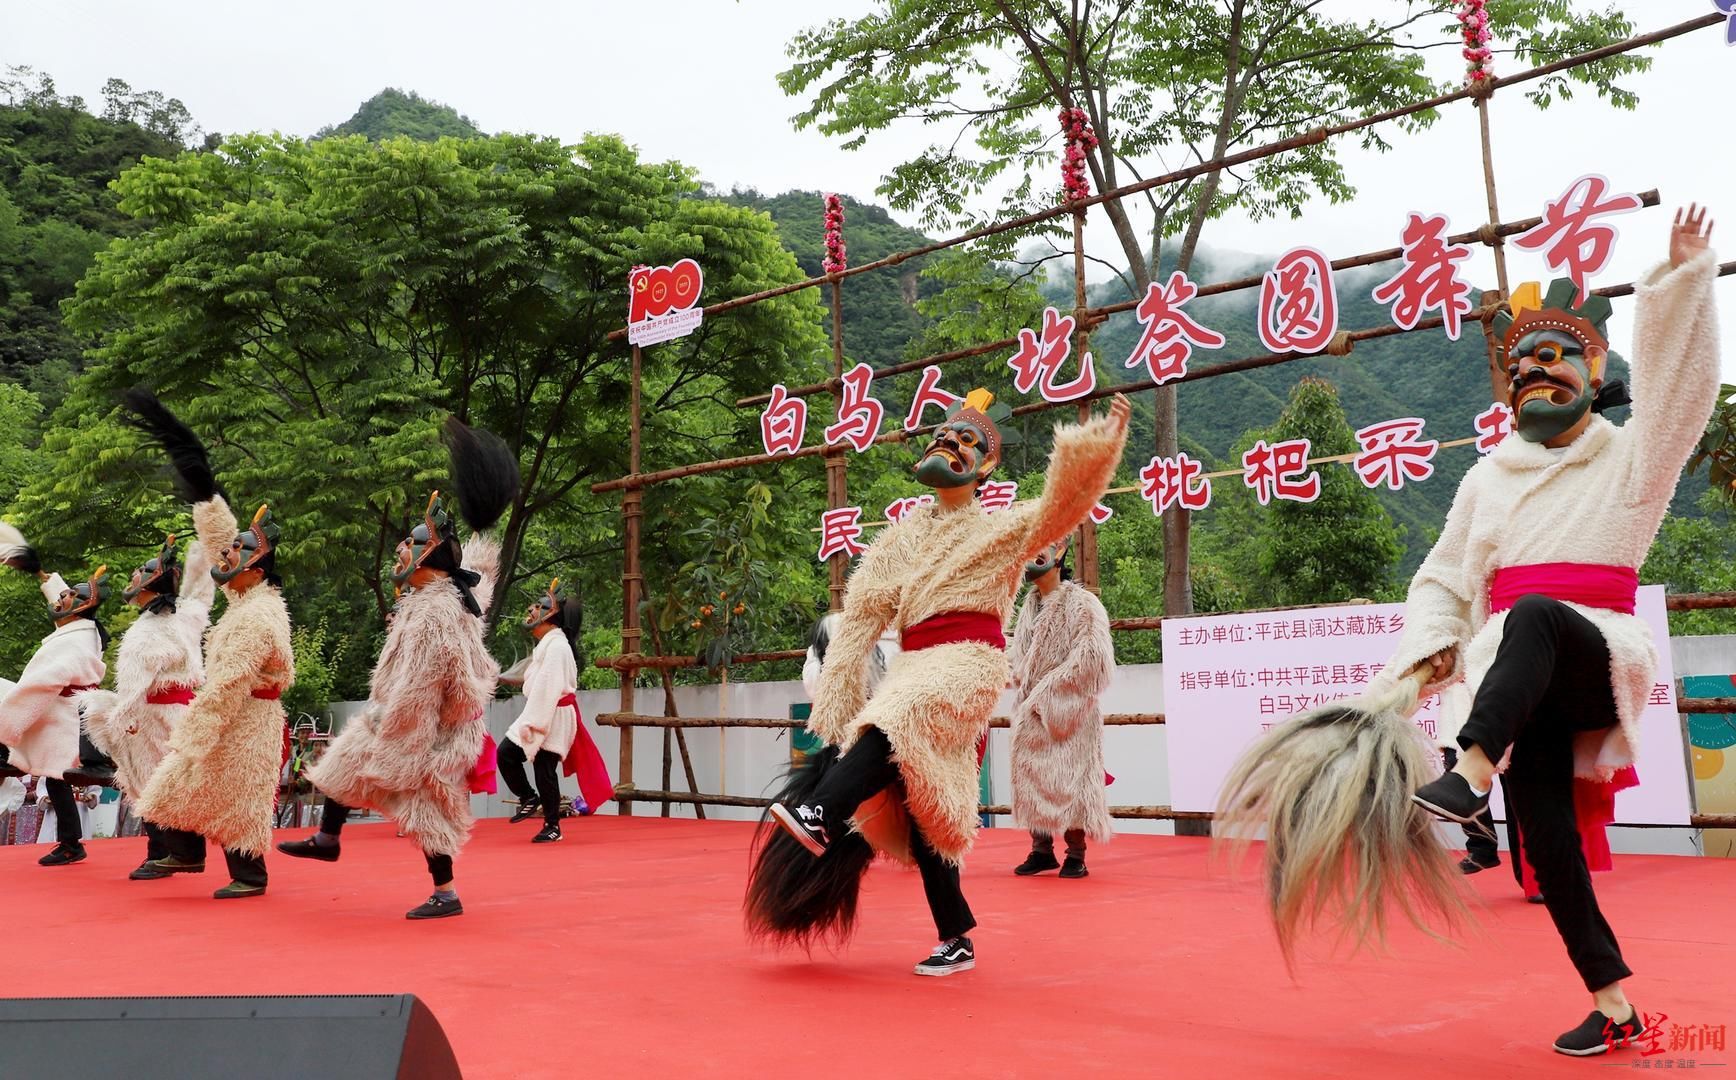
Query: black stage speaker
point(359, 1036)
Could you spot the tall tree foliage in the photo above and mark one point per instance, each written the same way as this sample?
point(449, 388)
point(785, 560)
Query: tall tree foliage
point(1164, 85)
point(312, 309)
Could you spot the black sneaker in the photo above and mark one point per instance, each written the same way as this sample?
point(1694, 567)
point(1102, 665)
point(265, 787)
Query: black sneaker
point(149, 871)
point(1036, 862)
point(1470, 864)
point(1074, 868)
point(168, 865)
point(436, 907)
point(806, 823)
point(527, 808)
point(1451, 799)
point(64, 854)
point(549, 835)
point(1598, 1035)
point(311, 849)
point(949, 957)
point(1534, 898)
point(238, 890)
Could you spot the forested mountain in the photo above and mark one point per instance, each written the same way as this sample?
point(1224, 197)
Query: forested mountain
point(391, 113)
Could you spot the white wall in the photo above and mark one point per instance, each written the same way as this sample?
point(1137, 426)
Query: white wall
point(748, 761)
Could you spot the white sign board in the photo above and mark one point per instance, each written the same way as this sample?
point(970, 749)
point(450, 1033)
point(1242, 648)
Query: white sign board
point(1226, 678)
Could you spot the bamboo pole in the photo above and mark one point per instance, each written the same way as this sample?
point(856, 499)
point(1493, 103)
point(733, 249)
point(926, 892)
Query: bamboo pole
point(1296, 142)
point(837, 480)
point(774, 722)
point(1086, 557)
point(632, 576)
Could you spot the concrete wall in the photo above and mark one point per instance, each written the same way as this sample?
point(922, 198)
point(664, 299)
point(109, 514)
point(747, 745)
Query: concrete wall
point(748, 761)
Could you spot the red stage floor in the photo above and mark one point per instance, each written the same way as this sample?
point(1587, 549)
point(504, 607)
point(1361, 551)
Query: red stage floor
point(620, 952)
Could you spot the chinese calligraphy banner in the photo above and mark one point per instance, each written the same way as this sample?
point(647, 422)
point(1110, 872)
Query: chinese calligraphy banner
point(1226, 678)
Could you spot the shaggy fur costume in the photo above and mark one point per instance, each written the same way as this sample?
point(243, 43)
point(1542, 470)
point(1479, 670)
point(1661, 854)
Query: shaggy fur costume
point(163, 650)
point(1062, 659)
point(219, 778)
point(935, 703)
point(409, 752)
point(552, 674)
point(1600, 500)
point(37, 725)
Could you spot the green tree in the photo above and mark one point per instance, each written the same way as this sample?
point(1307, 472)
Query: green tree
point(1195, 79)
point(392, 113)
point(1696, 554)
point(1340, 546)
point(313, 309)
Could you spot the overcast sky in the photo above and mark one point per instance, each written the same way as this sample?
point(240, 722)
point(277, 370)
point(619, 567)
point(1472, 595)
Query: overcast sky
point(694, 80)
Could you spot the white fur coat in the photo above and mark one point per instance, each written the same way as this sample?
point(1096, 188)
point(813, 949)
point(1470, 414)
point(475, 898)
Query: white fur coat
point(38, 725)
point(935, 703)
point(1601, 501)
point(219, 778)
point(1062, 659)
point(408, 754)
point(544, 724)
point(162, 651)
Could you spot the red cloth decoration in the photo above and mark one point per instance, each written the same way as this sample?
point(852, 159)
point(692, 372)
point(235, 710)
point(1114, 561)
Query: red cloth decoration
point(952, 628)
point(268, 693)
point(68, 691)
point(585, 761)
point(1590, 584)
point(1593, 585)
point(483, 775)
point(170, 695)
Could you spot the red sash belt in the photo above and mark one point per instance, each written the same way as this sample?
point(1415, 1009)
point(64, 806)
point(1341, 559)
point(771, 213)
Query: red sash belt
point(1591, 585)
point(951, 628)
point(268, 693)
point(584, 761)
point(170, 695)
point(68, 691)
point(568, 701)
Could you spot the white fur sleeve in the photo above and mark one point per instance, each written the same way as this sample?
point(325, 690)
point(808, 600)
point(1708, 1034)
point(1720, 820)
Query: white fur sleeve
point(1438, 607)
point(543, 687)
point(482, 557)
point(198, 587)
point(1674, 370)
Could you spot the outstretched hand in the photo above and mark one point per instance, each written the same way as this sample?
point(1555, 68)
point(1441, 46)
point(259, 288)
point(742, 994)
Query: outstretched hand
point(1690, 235)
point(1119, 410)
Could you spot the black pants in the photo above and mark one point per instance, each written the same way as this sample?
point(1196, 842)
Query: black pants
point(67, 828)
point(1044, 843)
point(509, 759)
point(331, 822)
point(863, 773)
point(190, 847)
point(155, 848)
point(1550, 682)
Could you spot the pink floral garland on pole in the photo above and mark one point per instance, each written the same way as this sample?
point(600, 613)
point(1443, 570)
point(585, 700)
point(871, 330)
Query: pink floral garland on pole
point(1080, 139)
point(1474, 25)
point(835, 260)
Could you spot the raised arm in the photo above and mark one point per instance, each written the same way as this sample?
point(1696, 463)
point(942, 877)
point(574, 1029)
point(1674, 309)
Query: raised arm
point(1080, 469)
point(215, 527)
point(198, 587)
point(1674, 369)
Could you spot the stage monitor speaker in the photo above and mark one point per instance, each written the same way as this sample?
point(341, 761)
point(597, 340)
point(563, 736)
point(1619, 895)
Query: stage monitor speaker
point(353, 1036)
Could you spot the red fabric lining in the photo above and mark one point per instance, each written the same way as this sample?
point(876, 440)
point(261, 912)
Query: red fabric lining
point(170, 695)
point(952, 628)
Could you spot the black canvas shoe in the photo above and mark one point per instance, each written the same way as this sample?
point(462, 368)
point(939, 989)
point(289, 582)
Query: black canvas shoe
point(237, 890)
point(168, 864)
point(149, 871)
point(311, 849)
point(527, 808)
point(949, 957)
point(1074, 868)
point(64, 854)
point(1451, 799)
point(805, 823)
point(1037, 862)
point(1470, 864)
point(436, 907)
point(1534, 898)
point(549, 835)
point(1598, 1035)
